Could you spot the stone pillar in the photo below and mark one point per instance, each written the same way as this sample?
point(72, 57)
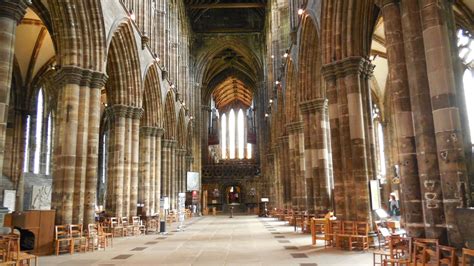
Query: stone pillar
point(317, 174)
point(205, 133)
point(90, 196)
point(296, 156)
point(146, 133)
point(135, 135)
point(11, 12)
point(153, 176)
point(402, 121)
point(173, 175)
point(157, 167)
point(73, 145)
point(346, 78)
point(446, 116)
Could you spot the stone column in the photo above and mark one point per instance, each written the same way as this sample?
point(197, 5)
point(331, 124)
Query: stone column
point(446, 116)
point(296, 156)
point(346, 82)
point(317, 174)
point(158, 171)
point(402, 121)
point(153, 176)
point(146, 133)
point(204, 133)
point(90, 196)
point(127, 164)
point(11, 12)
point(135, 132)
point(173, 175)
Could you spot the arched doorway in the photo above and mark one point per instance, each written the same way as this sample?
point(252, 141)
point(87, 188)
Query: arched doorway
point(233, 195)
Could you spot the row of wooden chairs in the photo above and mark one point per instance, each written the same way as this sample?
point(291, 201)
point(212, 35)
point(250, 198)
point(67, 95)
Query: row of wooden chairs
point(71, 238)
point(352, 234)
point(420, 251)
point(123, 227)
point(10, 253)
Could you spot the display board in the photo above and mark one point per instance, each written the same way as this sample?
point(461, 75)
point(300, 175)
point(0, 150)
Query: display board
point(193, 181)
point(9, 199)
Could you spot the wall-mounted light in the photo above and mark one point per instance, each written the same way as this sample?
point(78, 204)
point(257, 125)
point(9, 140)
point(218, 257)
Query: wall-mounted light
point(272, 56)
point(183, 103)
point(266, 115)
point(285, 55)
point(173, 86)
point(277, 82)
point(270, 101)
point(300, 11)
point(191, 118)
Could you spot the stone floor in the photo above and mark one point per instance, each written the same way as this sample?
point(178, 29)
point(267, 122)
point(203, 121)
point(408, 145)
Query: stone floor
point(218, 240)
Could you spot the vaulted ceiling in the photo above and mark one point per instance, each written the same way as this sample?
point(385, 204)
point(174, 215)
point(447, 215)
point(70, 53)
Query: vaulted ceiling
point(226, 16)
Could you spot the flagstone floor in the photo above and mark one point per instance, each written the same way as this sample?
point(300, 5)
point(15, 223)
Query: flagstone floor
point(218, 240)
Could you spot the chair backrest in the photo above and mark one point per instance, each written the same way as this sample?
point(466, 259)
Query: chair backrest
point(61, 231)
point(467, 256)
point(448, 255)
point(75, 230)
point(348, 227)
point(426, 250)
point(113, 222)
point(136, 220)
point(92, 230)
point(362, 228)
point(335, 227)
point(125, 221)
point(400, 247)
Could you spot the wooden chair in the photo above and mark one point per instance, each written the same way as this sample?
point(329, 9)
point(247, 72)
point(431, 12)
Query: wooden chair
point(63, 241)
point(334, 230)
point(152, 225)
point(348, 230)
point(78, 238)
point(21, 258)
point(5, 257)
point(361, 236)
point(106, 235)
point(467, 257)
point(426, 251)
point(95, 241)
point(138, 227)
point(115, 227)
point(447, 256)
point(399, 251)
point(319, 230)
point(127, 227)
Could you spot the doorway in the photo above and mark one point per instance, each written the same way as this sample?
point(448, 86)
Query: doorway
point(233, 195)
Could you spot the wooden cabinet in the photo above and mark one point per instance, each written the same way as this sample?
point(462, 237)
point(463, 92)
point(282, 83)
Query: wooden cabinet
point(41, 224)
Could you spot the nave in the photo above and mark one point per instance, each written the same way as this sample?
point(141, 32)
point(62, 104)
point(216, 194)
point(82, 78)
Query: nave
point(218, 240)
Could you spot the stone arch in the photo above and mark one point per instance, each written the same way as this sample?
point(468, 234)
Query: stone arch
point(123, 68)
point(170, 117)
point(346, 29)
point(309, 61)
point(83, 22)
point(152, 105)
point(181, 129)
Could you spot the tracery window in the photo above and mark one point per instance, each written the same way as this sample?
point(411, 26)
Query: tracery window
point(379, 145)
point(233, 139)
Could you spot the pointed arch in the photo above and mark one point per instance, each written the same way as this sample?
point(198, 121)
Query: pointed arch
point(152, 105)
point(123, 67)
point(309, 61)
point(170, 117)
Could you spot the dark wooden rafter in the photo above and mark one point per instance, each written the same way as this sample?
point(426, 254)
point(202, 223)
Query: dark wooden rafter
point(227, 6)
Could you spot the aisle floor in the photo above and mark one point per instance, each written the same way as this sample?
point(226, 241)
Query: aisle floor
point(218, 240)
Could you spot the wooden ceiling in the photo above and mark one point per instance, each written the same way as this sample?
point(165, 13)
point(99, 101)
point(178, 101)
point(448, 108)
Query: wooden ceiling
point(226, 16)
point(231, 77)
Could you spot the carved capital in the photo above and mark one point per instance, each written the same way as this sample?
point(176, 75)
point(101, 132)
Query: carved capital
point(79, 76)
point(295, 127)
point(14, 9)
point(168, 143)
point(314, 106)
point(119, 110)
point(354, 65)
point(148, 131)
point(389, 2)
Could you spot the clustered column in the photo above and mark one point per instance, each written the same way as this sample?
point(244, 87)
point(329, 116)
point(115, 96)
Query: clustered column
point(150, 172)
point(317, 165)
point(76, 144)
point(11, 12)
point(123, 160)
point(347, 89)
point(296, 165)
